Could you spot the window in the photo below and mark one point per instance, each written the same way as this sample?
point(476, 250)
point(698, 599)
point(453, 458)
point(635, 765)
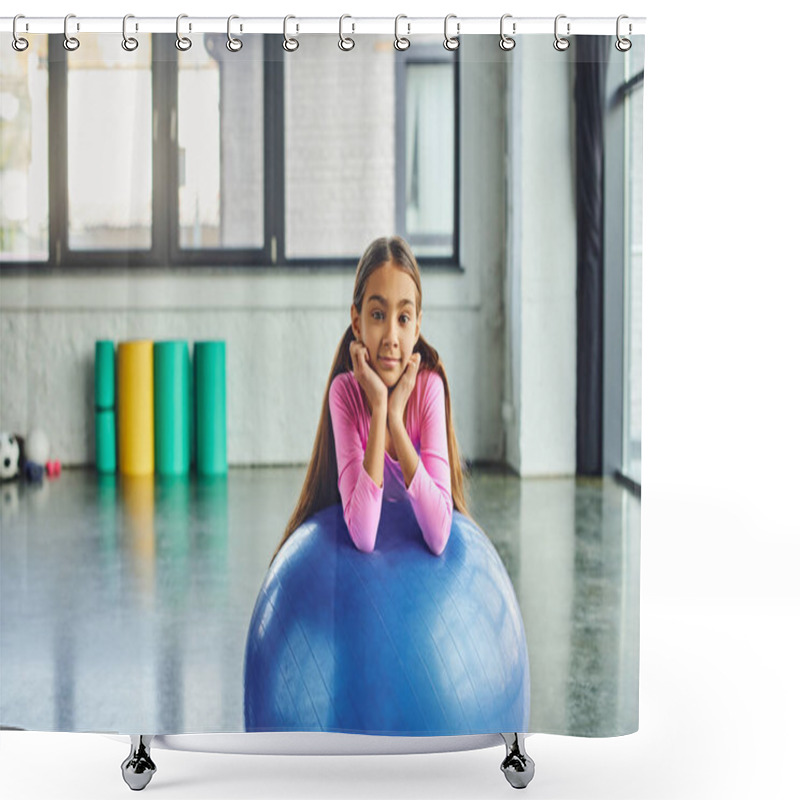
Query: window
point(207, 157)
point(220, 140)
point(109, 147)
point(377, 129)
point(24, 218)
point(426, 131)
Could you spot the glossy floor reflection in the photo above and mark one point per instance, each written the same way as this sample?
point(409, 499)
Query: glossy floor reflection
point(125, 602)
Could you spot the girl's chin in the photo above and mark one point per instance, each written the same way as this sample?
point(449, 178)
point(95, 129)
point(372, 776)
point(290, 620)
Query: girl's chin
point(391, 380)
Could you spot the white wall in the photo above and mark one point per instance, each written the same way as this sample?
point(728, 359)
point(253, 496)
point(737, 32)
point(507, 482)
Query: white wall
point(281, 326)
point(541, 329)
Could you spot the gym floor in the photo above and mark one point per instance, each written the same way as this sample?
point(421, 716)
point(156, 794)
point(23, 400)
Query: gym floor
point(125, 602)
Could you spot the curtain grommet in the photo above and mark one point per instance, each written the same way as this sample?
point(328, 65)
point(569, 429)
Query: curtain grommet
point(401, 43)
point(70, 43)
point(451, 42)
point(290, 44)
point(233, 44)
point(129, 43)
point(507, 42)
point(19, 43)
point(623, 44)
point(345, 42)
point(182, 43)
point(561, 43)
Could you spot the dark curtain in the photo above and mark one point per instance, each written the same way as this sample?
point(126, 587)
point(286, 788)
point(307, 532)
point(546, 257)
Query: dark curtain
point(590, 77)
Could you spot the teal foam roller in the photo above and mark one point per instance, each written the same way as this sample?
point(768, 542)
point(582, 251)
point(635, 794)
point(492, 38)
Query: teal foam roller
point(105, 440)
point(210, 408)
point(172, 405)
point(104, 392)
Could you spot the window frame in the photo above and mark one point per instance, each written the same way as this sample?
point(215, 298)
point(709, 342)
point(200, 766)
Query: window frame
point(425, 54)
point(165, 253)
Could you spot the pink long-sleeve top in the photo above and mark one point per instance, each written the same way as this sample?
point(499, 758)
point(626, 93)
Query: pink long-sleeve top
point(429, 491)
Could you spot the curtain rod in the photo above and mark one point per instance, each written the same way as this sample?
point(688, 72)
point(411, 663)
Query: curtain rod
point(408, 26)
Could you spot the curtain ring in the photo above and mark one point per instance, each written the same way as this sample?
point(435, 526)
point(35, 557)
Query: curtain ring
point(451, 42)
point(233, 44)
point(345, 42)
point(561, 43)
point(70, 42)
point(129, 43)
point(18, 43)
point(290, 44)
point(183, 43)
point(622, 44)
point(400, 42)
point(506, 42)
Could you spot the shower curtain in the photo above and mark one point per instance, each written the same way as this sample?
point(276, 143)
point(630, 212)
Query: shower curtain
point(180, 229)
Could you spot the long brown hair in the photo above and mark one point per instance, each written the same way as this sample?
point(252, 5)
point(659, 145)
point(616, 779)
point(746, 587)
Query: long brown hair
point(321, 488)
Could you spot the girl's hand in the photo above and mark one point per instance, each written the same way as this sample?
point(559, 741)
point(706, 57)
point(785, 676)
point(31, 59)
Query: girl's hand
point(367, 377)
point(402, 390)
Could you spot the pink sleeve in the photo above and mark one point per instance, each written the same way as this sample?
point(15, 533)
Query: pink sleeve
point(429, 490)
point(361, 497)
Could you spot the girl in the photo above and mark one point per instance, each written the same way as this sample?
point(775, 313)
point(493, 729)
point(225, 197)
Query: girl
point(386, 430)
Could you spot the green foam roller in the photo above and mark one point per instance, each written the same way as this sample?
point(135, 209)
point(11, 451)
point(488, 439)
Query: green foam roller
point(172, 405)
point(210, 419)
point(105, 431)
point(104, 394)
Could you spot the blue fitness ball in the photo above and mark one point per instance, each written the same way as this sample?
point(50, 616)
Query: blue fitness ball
point(395, 642)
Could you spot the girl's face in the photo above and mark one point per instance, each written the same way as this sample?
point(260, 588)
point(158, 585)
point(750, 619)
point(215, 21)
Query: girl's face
point(388, 325)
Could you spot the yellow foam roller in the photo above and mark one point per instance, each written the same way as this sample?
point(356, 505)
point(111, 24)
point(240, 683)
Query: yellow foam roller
point(135, 415)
